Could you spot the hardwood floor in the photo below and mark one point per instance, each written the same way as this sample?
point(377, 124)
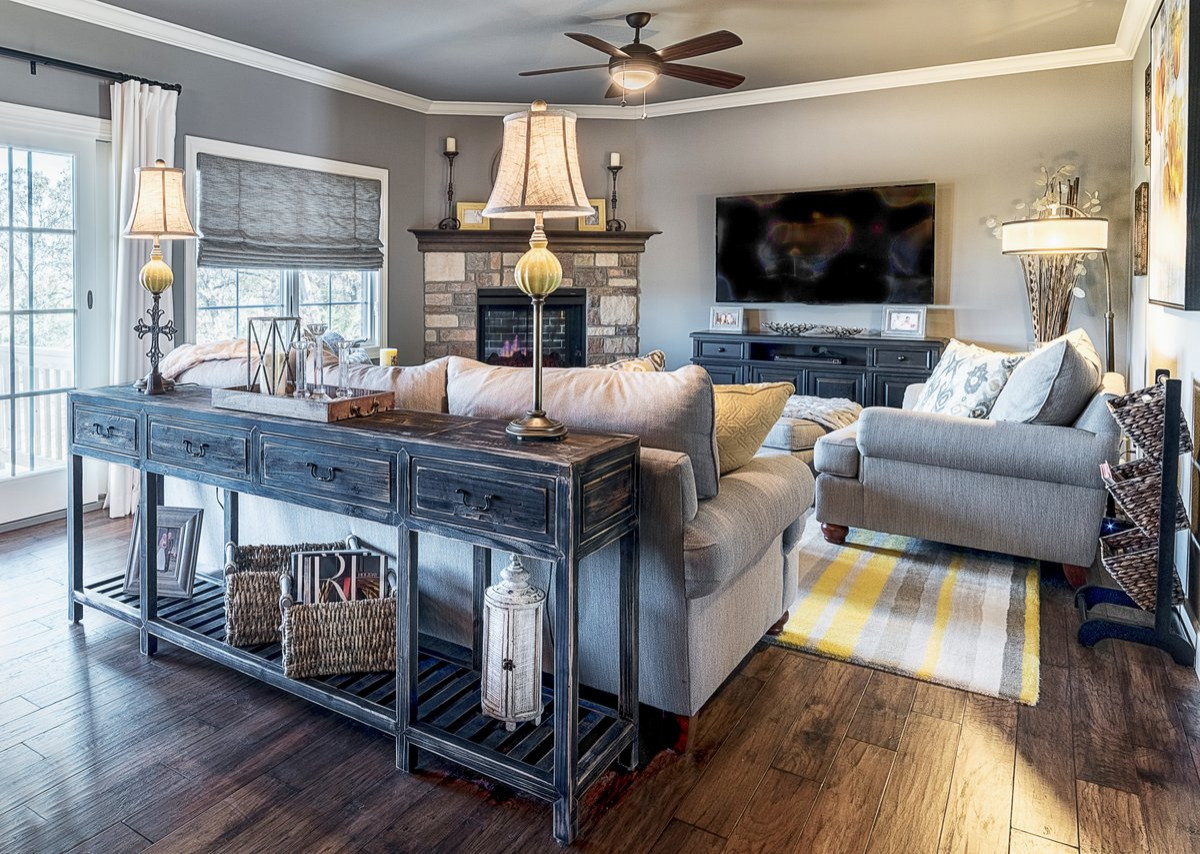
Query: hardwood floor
point(103, 750)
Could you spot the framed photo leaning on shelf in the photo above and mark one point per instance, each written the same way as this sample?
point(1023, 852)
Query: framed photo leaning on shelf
point(903, 321)
point(175, 551)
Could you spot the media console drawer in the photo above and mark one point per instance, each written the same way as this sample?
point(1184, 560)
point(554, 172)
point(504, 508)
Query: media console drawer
point(896, 358)
point(354, 475)
point(723, 349)
point(201, 448)
point(105, 429)
point(483, 498)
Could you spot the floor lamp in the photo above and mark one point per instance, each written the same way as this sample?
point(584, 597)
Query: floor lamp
point(1065, 235)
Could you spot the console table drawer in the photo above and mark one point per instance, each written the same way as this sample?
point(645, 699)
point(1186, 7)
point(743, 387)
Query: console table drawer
point(201, 448)
point(483, 499)
point(723, 349)
point(352, 475)
point(920, 359)
point(105, 430)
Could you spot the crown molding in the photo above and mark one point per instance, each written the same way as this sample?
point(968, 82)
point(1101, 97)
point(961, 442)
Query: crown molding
point(39, 119)
point(1134, 19)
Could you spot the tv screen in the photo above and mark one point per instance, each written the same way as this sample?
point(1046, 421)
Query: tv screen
point(864, 245)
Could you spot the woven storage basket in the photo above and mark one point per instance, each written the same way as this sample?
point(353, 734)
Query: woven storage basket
point(1131, 558)
point(1141, 416)
point(331, 638)
point(1137, 487)
point(252, 590)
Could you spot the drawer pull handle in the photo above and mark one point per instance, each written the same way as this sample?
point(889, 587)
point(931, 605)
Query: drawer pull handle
point(315, 471)
point(195, 450)
point(720, 349)
point(466, 500)
point(902, 358)
point(103, 432)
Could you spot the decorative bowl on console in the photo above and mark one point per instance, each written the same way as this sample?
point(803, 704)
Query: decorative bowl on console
point(790, 328)
point(844, 331)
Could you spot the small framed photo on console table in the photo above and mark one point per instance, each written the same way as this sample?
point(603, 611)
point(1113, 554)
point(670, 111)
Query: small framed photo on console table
point(726, 319)
point(175, 551)
point(903, 321)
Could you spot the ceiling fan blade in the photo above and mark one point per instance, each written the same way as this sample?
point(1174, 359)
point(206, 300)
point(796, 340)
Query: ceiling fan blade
point(565, 68)
point(599, 44)
point(614, 91)
point(700, 45)
point(707, 76)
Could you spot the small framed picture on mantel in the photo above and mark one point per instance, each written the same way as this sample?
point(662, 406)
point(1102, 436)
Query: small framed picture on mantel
point(903, 321)
point(723, 318)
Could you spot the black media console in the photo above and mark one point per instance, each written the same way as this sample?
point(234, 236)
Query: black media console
point(869, 369)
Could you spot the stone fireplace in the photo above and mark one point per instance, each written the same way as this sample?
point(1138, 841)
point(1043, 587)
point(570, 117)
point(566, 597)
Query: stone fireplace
point(466, 272)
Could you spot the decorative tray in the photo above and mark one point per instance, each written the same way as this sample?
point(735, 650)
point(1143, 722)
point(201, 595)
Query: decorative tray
point(361, 403)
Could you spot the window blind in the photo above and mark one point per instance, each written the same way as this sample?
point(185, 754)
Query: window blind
point(258, 215)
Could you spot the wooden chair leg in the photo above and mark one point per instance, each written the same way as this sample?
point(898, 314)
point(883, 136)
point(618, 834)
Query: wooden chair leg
point(1077, 576)
point(687, 733)
point(835, 534)
point(777, 629)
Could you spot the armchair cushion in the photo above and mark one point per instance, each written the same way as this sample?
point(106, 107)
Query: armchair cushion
point(1053, 384)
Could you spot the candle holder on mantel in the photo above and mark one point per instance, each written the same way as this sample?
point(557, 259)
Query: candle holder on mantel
point(614, 224)
point(450, 221)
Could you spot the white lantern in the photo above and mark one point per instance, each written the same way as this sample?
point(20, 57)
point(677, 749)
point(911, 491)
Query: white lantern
point(511, 688)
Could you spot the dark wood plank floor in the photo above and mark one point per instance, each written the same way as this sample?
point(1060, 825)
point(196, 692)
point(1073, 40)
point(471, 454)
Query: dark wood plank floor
point(103, 750)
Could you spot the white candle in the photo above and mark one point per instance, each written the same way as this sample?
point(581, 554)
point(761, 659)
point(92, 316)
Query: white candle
point(451, 145)
point(614, 159)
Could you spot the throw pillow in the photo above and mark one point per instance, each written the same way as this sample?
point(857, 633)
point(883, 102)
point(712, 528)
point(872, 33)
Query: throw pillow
point(655, 360)
point(1053, 384)
point(745, 415)
point(967, 380)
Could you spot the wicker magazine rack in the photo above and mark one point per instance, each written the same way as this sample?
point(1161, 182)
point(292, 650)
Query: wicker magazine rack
point(1142, 559)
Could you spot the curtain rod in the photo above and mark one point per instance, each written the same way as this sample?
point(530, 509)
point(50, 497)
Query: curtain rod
point(35, 60)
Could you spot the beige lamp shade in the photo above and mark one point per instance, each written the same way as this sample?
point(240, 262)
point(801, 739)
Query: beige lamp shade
point(158, 205)
point(539, 167)
point(1054, 236)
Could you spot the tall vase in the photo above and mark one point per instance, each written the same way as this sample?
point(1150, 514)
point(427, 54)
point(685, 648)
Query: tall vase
point(1050, 280)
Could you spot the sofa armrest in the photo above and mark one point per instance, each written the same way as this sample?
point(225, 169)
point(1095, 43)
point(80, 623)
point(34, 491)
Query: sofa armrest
point(1097, 417)
point(912, 394)
point(1028, 451)
point(668, 481)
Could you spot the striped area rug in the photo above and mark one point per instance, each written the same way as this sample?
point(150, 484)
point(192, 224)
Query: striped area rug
point(953, 616)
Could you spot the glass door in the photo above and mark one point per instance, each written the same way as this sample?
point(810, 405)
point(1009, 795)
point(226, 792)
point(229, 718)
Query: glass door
point(51, 338)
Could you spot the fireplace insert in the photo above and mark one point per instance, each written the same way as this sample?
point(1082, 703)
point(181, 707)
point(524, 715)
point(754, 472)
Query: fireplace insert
point(504, 332)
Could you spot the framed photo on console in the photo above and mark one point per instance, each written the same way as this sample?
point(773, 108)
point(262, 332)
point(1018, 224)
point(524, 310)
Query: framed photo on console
point(175, 552)
point(723, 318)
point(903, 321)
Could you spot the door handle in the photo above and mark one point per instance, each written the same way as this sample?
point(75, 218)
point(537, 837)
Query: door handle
point(194, 451)
point(314, 470)
point(89, 299)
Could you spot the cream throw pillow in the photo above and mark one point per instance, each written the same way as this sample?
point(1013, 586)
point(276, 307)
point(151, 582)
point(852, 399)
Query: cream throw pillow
point(745, 415)
point(967, 380)
point(655, 360)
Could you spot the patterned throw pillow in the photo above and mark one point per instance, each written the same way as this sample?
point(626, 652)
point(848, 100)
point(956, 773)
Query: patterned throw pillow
point(967, 380)
point(745, 415)
point(655, 360)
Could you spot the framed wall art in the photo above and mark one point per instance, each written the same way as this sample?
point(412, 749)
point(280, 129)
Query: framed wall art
point(1141, 229)
point(1173, 268)
point(175, 552)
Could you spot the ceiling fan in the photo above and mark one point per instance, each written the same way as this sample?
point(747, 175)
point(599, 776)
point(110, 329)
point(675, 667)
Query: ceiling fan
point(635, 66)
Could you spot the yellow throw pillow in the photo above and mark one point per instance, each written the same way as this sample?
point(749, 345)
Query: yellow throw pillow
point(745, 415)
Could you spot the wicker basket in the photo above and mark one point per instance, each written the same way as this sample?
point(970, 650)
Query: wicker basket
point(252, 576)
point(1137, 487)
point(331, 638)
point(1141, 415)
point(1131, 558)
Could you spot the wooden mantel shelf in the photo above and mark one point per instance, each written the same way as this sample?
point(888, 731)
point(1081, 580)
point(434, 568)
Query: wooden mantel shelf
point(512, 240)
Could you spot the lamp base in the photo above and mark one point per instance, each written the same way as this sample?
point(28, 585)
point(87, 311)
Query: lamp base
point(154, 383)
point(536, 427)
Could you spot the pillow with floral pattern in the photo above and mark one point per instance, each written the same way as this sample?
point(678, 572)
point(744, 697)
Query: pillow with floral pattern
point(967, 380)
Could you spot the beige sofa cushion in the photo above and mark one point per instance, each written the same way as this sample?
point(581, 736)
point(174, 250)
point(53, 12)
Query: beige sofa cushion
point(745, 415)
point(1053, 384)
point(671, 410)
point(421, 388)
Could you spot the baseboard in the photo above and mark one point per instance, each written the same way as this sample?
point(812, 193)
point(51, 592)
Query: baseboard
point(53, 516)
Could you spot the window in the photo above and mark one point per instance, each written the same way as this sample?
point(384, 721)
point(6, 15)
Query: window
point(278, 226)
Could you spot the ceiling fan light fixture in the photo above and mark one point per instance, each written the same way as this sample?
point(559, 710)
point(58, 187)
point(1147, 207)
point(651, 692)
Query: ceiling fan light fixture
point(634, 75)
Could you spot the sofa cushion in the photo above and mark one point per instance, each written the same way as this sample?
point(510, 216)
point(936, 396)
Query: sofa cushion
point(218, 373)
point(758, 503)
point(967, 380)
point(1053, 384)
point(673, 410)
point(836, 453)
point(655, 360)
point(745, 415)
point(794, 434)
point(421, 388)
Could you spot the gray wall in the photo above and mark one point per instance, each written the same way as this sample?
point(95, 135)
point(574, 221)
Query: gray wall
point(231, 102)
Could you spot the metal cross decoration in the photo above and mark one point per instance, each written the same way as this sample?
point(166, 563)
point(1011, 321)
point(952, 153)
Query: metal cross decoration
point(153, 383)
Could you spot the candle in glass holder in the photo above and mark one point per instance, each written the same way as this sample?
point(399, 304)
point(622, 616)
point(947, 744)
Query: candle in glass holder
point(614, 159)
point(389, 356)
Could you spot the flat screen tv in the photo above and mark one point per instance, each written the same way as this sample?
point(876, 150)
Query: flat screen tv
point(862, 245)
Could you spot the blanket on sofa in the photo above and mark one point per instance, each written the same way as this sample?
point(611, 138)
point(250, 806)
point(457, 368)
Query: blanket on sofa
point(832, 413)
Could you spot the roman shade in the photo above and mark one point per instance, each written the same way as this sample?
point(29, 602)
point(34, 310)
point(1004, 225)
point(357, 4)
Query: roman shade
point(259, 215)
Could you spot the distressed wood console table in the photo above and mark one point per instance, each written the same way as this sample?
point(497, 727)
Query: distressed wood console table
point(455, 477)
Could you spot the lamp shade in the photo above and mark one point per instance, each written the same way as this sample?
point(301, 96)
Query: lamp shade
point(634, 75)
point(1054, 236)
point(158, 205)
point(539, 167)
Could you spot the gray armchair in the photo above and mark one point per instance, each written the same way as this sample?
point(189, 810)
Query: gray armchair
point(1024, 489)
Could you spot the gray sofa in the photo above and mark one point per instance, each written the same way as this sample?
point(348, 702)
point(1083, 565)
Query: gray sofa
point(718, 562)
point(1024, 489)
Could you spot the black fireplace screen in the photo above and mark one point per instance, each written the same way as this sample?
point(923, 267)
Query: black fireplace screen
point(504, 334)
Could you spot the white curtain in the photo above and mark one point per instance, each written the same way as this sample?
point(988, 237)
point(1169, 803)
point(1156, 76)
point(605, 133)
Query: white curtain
point(143, 129)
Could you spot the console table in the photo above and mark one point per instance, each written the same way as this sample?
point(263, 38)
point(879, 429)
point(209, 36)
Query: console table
point(869, 369)
point(451, 476)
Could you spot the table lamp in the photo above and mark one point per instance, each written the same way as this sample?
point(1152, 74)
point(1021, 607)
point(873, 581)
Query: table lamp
point(1065, 235)
point(538, 177)
point(159, 212)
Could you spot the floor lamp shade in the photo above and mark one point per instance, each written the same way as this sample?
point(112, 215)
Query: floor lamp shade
point(1054, 236)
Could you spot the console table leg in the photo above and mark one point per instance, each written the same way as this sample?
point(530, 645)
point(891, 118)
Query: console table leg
point(74, 537)
point(483, 577)
point(566, 697)
point(230, 519)
point(406, 646)
point(151, 485)
point(627, 696)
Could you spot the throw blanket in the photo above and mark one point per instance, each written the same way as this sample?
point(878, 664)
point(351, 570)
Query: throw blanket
point(832, 413)
point(186, 356)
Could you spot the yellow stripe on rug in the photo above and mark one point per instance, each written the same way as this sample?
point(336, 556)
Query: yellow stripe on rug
point(953, 616)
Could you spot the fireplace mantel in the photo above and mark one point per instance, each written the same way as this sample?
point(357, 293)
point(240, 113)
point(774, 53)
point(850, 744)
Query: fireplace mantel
point(514, 240)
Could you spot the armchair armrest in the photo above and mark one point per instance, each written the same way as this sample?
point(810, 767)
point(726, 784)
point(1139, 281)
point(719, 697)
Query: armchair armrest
point(1028, 451)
